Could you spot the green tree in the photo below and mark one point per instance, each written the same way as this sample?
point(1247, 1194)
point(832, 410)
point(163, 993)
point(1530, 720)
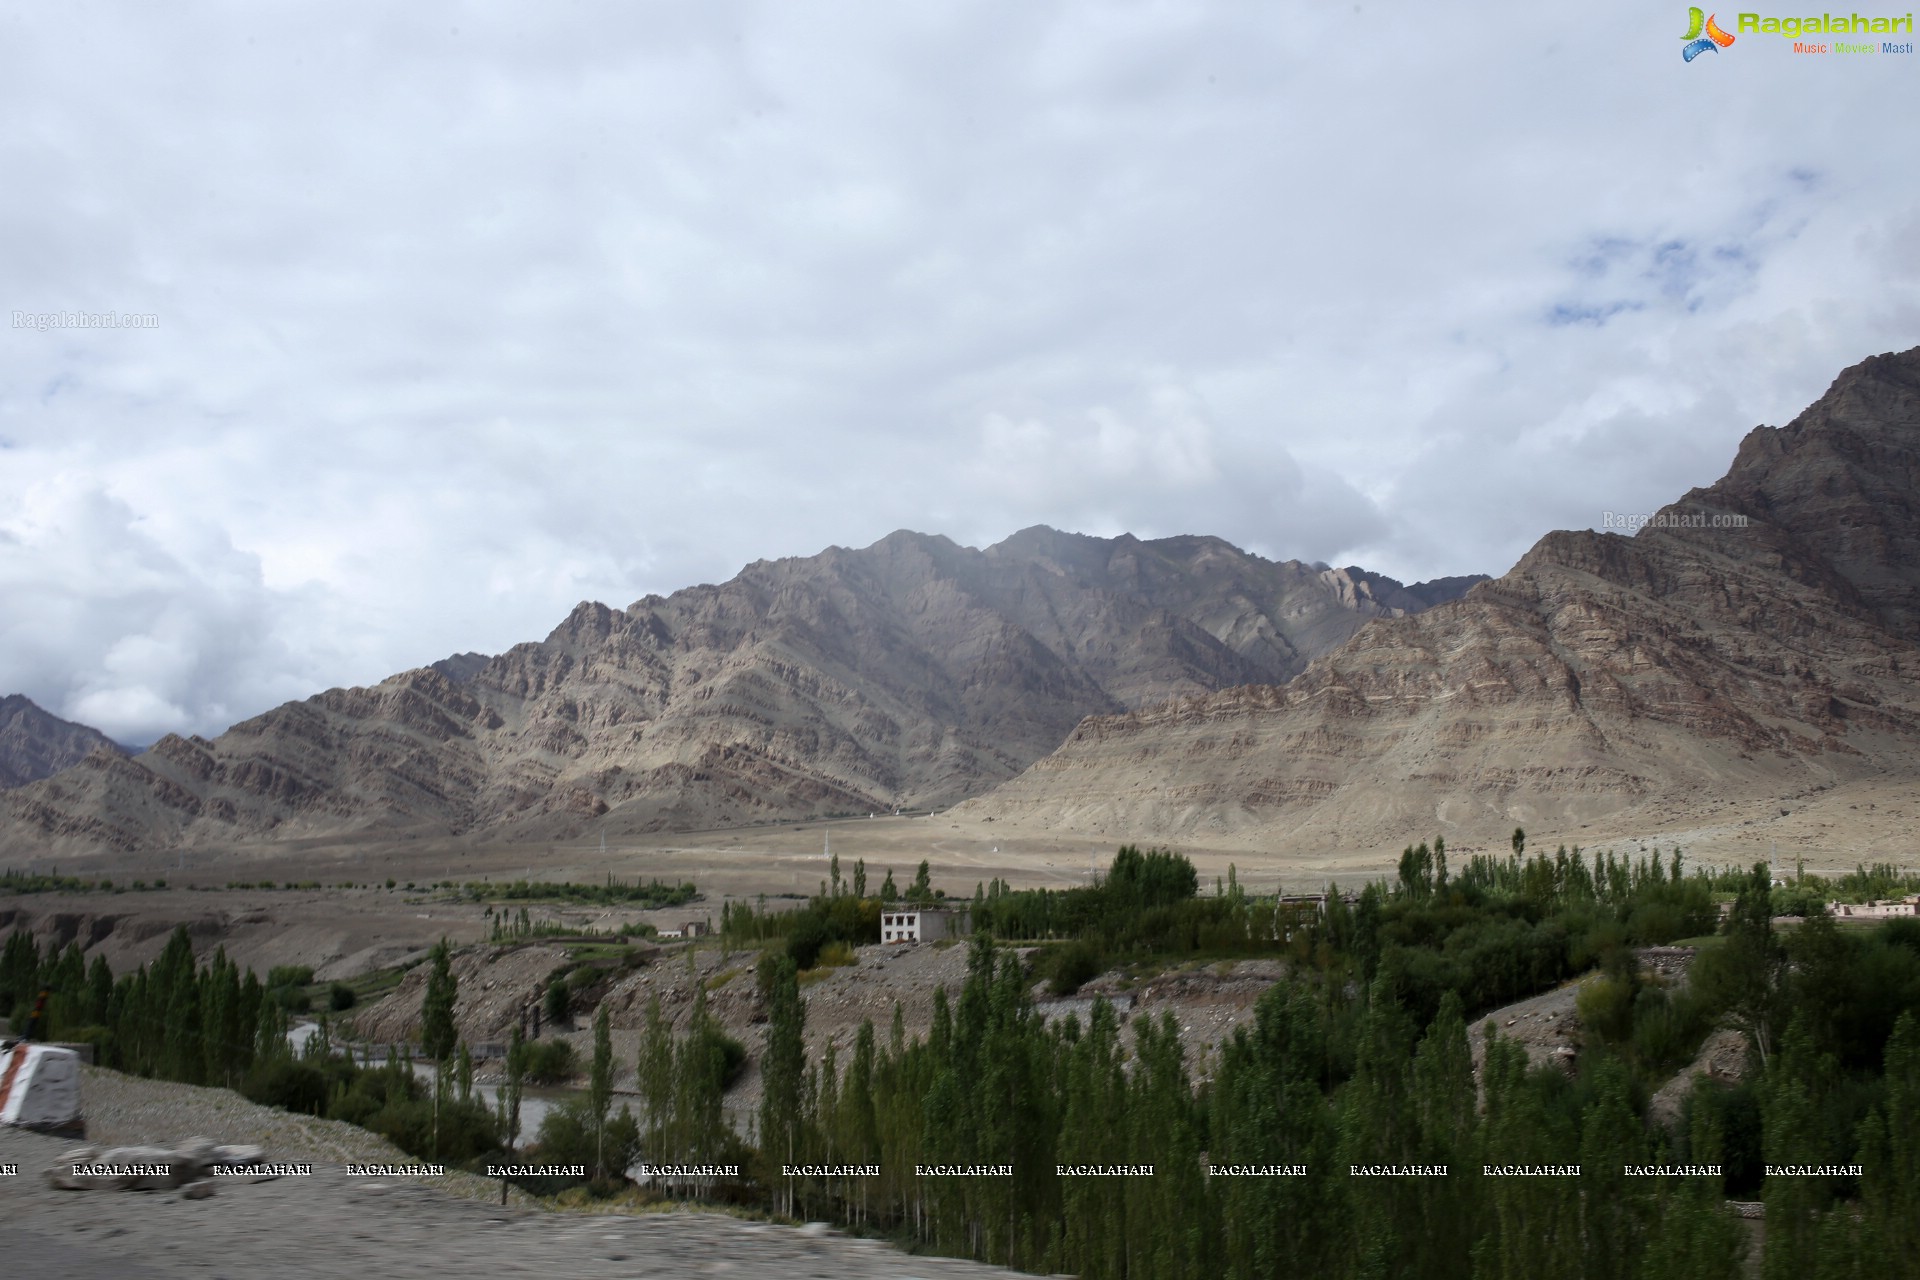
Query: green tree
point(1611, 1139)
point(1891, 1185)
point(1745, 976)
point(700, 1079)
point(655, 1076)
point(512, 1090)
point(600, 1088)
point(438, 1034)
point(1534, 1223)
point(1790, 1118)
point(782, 1070)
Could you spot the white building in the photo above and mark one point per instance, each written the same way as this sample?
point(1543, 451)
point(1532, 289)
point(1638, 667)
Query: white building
point(1876, 910)
point(920, 925)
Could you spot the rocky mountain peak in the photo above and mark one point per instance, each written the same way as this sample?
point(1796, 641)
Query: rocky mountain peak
point(35, 743)
point(913, 670)
point(1756, 639)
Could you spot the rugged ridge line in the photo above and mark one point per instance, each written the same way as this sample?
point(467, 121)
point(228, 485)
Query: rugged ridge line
point(36, 744)
point(1604, 675)
point(911, 671)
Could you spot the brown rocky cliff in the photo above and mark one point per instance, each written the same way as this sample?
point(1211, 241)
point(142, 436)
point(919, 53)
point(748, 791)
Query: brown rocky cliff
point(911, 671)
point(35, 743)
point(1602, 675)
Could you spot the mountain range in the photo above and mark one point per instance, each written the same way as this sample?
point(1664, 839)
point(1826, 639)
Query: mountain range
point(1760, 637)
point(35, 743)
point(911, 672)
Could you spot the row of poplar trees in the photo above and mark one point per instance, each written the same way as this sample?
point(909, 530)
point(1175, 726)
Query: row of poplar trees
point(992, 1084)
point(174, 1018)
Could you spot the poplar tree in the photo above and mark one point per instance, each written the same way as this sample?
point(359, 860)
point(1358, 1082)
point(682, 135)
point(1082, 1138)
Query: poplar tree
point(859, 1128)
point(1533, 1224)
point(1790, 1107)
point(437, 1031)
point(510, 1093)
point(438, 1034)
point(600, 1088)
point(655, 1076)
point(1611, 1208)
point(1887, 1147)
point(699, 1069)
point(782, 1068)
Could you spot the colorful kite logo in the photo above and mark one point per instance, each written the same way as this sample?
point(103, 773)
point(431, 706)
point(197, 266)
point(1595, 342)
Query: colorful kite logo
point(1712, 42)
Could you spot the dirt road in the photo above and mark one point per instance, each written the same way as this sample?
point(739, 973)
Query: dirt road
point(330, 1224)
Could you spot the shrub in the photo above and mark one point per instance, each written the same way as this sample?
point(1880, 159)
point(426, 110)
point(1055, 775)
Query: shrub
point(290, 975)
point(341, 997)
point(550, 1061)
point(1067, 967)
point(1606, 1007)
point(836, 955)
point(804, 943)
point(287, 1083)
point(559, 1001)
point(733, 1059)
point(566, 1137)
point(1667, 1029)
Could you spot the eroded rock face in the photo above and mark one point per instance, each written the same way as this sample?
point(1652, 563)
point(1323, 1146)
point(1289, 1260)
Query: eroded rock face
point(35, 743)
point(1603, 675)
point(912, 671)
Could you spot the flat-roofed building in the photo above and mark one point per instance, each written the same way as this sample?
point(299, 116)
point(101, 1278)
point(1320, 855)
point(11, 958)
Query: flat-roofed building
point(923, 924)
point(1887, 910)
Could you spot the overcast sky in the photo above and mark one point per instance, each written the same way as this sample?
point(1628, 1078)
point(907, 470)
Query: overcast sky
point(461, 319)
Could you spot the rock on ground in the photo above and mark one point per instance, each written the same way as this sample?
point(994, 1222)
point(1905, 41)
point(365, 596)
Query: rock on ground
point(330, 1225)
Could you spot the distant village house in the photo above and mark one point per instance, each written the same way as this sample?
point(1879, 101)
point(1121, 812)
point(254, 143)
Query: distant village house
point(925, 925)
point(1875, 910)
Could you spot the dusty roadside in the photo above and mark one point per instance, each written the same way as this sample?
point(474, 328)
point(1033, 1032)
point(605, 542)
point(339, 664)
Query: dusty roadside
point(330, 1224)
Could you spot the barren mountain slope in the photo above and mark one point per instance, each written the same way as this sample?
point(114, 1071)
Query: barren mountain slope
point(35, 743)
point(1604, 676)
point(913, 671)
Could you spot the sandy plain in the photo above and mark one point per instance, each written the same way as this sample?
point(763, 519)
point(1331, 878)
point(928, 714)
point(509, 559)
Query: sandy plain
point(345, 931)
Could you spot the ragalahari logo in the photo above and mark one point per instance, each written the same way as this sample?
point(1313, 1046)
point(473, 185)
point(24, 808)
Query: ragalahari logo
point(1713, 41)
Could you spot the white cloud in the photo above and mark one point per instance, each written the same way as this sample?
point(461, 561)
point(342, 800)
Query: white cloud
point(467, 313)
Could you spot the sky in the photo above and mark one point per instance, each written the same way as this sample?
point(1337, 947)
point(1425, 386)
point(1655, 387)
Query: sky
point(452, 316)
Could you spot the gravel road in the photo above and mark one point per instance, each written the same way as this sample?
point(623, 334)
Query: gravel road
point(332, 1225)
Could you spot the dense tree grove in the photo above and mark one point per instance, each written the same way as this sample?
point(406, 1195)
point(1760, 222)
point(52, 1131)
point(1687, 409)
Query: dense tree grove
point(210, 1024)
point(1310, 1143)
point(1009, 1139)
point(612, 892)
point(203, 1024)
